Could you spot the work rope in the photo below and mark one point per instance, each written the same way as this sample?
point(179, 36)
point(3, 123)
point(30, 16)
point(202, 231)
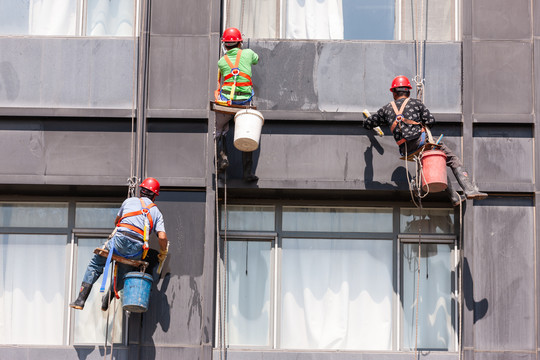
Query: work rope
point(460, 282)
point(419, 43)
point(132, 180)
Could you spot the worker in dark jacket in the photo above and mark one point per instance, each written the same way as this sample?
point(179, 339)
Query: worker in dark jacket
point(129, 240)
point(408, 119)
point(237, 89)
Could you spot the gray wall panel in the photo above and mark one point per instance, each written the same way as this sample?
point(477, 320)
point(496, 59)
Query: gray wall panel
point(178, 75)
point(504, 275)
point(177, 158)
point(350, 76)
point(502, 81)
point(173, 17)
point(495, 149)
point(496, 19)
point(174, 314)
point(69, 72)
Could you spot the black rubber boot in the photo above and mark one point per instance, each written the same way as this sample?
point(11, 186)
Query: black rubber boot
point(247, 167)
point(467, 184)
point(223, 160)
point(453, 195)
point(83, 295)
point(106, 299)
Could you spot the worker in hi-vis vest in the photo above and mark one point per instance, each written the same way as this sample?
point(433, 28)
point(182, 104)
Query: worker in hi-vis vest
point(408, 119)
point(136, 219)
point(237, 89)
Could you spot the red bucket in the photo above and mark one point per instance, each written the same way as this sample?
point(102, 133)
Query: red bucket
point(434, 171)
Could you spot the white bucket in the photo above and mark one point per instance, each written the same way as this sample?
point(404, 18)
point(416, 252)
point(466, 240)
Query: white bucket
point(247, 129)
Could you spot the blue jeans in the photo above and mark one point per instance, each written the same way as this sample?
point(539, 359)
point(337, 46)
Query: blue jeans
point(239, 101)
point(123, 246)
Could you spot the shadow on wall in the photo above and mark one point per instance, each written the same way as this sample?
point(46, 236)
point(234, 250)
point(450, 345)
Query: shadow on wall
point(479, 308)
point(399, 174)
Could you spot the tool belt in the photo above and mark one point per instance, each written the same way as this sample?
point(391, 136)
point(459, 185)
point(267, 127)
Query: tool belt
point(131, 236)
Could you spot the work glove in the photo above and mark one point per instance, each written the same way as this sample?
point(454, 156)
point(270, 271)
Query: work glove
point(161, 258)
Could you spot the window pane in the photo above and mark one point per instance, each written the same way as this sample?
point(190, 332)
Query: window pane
point(33, 214)
point(32, 286)
point(38, 17)
point(439, 18)
point(435, 311)
point(433, 221)
point(253, 218)
point(254, 18)
point(248, 281)
point(336, 294)
point(297, 218)
point(94, 215)
point(368, 19)
point(110, 18)
point(91, 322)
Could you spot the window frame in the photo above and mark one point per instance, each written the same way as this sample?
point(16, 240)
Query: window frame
point(398, 238)
point(399, 8)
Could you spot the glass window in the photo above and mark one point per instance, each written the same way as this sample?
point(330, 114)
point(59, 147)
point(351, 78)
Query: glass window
point(248, 286)
point(110, 18)
point(62, 18)
point(33, 215)
point(435, 310)
point(432, 221)
point(330, 298)
point(91, 323)
point(297, 218)
point(38, 17)
point(245, 217)
point(96, 215)
point(32, 289)
point(343, 19)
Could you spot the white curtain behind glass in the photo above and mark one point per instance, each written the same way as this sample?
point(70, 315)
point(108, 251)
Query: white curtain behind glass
point(91, 322)
point(434, 308)
point(314, 19)
point(52, 17)
point(336, 294)
point(248, 300)
point(439, 20)
point(254, 18)
point(110, 18)
point(32, 286)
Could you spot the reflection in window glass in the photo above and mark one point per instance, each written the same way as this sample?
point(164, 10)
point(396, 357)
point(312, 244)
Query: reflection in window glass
point(244, 217)
point(32, 286)
point(336, 294)
point(96, 215)
point(433, 221)
point(435, 310)
point(248, 283)
point(110, 18)
point(91, 322)
point(343, 19)
point(337, 219)
point(38, 17)
point(33, 214)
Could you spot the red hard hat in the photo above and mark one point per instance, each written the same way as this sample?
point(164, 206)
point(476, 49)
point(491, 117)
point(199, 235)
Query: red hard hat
point(231, 35)
point(400, 81)
point(150, 184)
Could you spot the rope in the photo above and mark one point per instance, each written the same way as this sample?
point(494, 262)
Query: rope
point(107, 321)
point(418, 281)
point(242, 15)
point(460, 282)
point(418, 79)
point(132, 180)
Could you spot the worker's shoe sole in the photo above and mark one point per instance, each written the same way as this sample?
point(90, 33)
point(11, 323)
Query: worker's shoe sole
point(74, 306)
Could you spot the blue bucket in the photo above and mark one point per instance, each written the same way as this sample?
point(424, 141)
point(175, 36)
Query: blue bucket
point(137, 286)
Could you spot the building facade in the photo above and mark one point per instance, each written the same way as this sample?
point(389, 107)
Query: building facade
point(327, 255)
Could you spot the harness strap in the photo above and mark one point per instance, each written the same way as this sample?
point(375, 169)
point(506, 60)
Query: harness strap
point(144, 211)
point(234, 70)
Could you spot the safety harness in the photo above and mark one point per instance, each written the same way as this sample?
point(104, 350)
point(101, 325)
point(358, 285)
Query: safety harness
point(400, 119)
point(235, 72)
point(148, 225)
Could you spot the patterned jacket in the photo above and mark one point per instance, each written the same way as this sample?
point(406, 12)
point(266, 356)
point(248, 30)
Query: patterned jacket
point(415, 110)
